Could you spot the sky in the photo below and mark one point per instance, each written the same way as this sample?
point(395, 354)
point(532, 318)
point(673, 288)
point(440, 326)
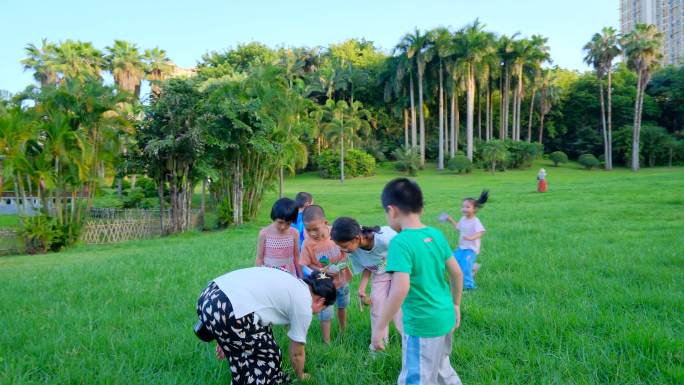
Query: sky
point(188, 29)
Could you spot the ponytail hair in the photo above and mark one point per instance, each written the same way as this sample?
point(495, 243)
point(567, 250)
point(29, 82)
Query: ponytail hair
point(345, 229)
point(479, 202)
point(322, 286)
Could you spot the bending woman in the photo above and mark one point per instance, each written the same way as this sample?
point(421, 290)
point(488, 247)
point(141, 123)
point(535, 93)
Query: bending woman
point(237, 309)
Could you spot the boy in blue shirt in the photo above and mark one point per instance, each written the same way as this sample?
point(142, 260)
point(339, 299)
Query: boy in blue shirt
point(303, 200)
point(420, 256)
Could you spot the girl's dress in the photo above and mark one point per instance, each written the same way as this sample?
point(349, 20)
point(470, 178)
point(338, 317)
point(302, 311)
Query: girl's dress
point(279, 250)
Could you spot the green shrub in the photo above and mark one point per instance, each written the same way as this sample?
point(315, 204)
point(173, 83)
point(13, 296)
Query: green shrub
point(125, 184)
point(356, 163)
point(224, 213)
point(460, 163)
point(589, 161)
point(133, 199)
point(147, 186)
point(38, 233)
point(65, 235)
point(521, 154)
point(494, 154)
point(408, 160)
point(558, 157)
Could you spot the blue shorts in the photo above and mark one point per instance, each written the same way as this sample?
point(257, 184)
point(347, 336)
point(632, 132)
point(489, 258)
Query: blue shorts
point(342, 302)
point(466, 259)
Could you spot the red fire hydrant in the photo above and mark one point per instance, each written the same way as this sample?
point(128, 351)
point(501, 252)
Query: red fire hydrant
point(541, 181)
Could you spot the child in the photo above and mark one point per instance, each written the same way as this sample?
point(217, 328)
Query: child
point(320, 253)
point(366, 248)
point(303, 200)
point(431, 309)
point(278, 244)
point(471, 231)
point(541, 181)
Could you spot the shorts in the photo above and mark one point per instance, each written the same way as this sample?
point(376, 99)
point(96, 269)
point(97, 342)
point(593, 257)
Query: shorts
point(343, 299)
point(466, 260)
point(426, 361)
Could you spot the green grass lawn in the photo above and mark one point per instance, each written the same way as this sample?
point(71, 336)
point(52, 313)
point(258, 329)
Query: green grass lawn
point(581, 285)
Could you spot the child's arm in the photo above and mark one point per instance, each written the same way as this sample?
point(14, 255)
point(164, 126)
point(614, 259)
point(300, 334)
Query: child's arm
point(261, 243)
point(365, 277)
point(454, 222)
point(401, 283)
point(475, 236)
point(456, 284)
point(297, 253)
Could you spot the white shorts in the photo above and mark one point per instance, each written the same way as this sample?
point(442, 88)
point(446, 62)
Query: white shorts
point(425, 361)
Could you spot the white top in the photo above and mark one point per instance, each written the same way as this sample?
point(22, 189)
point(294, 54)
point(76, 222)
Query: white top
point(467, 228)
point(274, 296)
point(375, 259)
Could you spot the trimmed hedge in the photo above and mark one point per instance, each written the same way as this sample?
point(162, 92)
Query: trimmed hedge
point(356, 163)
point(460, 163)
point(589, 161)
point(558, 157)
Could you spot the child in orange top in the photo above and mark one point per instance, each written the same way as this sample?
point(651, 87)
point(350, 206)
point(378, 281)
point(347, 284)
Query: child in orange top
point(320, 253)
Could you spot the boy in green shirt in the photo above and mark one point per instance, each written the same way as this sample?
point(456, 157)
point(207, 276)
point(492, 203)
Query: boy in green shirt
point(419, 256)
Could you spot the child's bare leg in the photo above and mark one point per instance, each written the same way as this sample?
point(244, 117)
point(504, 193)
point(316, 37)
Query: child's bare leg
point(325, 331)
point(342, 318)
point(476, 267)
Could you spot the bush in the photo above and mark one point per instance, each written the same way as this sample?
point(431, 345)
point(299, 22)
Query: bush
point(38, 233)
point(521, 154)
point(125, 184)
point(589, 161)
point(494, 154)
point(460, 163)
point(133, 199)
point(356, 163)
point(558, 157)
point(147, 186)
point(224, 213)
point(408, 160)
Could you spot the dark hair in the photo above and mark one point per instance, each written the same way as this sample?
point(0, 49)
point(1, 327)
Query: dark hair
point(285, 209)
point(322, 285)
point(479, 202)
point(404, 194)
point(345, 229)
point(302, 199)
point(313, 213)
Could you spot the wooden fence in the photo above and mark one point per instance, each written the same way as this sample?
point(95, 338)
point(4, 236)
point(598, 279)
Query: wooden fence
point(9, 241)
point(116, 225)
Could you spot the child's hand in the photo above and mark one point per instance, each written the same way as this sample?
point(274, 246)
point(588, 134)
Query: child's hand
point(220, 355)
point(362, 294)
point(457, 309)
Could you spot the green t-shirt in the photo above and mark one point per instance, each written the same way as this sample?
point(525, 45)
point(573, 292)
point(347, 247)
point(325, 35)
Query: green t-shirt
point(428, 309)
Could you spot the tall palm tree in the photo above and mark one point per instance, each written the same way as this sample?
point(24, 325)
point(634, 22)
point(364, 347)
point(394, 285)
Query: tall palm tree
point(441, 47)
point(42, 61)
point(126, 65)
point(78, 60)
point(521, 51)
point(642, 47)
point(158, 68)
point(609, 49)
point(415, 45)
point(593, 56)
point(471, 46)
point(548, 96)
point(538, 54)
point(506, 52)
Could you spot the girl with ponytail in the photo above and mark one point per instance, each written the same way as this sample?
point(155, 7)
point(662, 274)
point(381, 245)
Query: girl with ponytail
point(366, 248)
point(471, 231)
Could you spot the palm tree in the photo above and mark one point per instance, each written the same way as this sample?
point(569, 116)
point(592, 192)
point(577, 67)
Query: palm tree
point(441, 47)
point(78, 60)
point(539, 53)
point(42, 61)
point(642, 47)
point(521, 51)
point(158, 68)
point(415, 47)
point(548, 96)
point(126, 65)
point(593, 56)
point(344, 119)
point(506, 52)
point(472, 44)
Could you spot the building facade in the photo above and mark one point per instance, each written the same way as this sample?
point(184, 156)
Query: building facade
point(668, 17)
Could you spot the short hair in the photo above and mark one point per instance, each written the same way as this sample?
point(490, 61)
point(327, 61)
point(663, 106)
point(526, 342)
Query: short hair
point(285, 209)
point(313, 213)
point(303, 198)
point(403, 194)
point(322, 286)
point(345, 229)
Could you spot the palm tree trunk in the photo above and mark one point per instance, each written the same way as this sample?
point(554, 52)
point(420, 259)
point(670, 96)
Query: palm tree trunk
point(470, 111)
point(635, 128)
point(422, 118)
point(609, 152)
point(440, 151)
point(452, 137)
point(529, 124)
point(507, 95)
point(541, 126)
point(406, 128)
point(603, 121)
point(342, 157)
point(446, 123)
point(457, 128)
point(488, 115)
point(479, 110)
point(280, 182)
point(414, 133)
point(160, 192)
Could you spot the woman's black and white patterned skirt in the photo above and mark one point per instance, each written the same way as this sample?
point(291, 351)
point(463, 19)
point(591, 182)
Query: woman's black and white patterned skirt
point(253, 355)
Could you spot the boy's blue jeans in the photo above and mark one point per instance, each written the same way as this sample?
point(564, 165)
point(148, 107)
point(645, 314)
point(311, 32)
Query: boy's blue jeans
point(466, 259)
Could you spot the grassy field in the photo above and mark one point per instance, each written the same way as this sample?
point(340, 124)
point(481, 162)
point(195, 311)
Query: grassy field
point(581, 285)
